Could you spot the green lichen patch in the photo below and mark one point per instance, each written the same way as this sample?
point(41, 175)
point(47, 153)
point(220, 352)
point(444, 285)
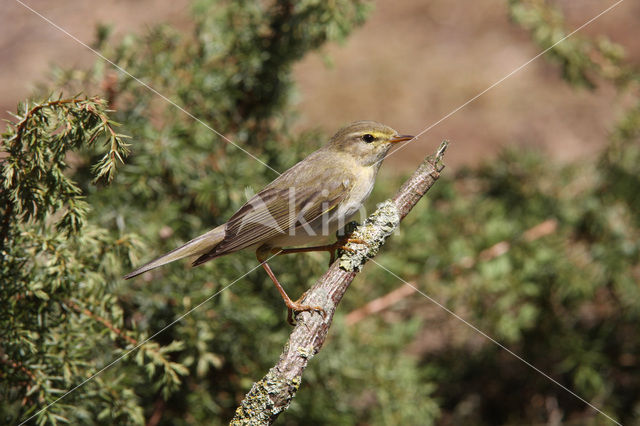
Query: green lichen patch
point(373, 232)
point(264, 401)
point(306, 352)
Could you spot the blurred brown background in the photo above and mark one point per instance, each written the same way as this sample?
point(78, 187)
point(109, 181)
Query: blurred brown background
point(412, 63)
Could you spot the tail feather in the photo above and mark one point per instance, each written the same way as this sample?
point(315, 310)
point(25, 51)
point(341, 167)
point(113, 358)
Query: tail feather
point(197, 246)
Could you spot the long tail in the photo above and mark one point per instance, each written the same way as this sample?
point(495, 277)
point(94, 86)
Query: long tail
point(197, 246)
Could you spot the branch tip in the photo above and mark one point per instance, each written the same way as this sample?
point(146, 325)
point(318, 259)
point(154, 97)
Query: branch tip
point(441, 149)
point(439, 156)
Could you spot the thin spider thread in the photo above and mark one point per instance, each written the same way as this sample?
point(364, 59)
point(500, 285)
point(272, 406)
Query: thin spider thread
point(476, 329)
point(501, 80)
point(263, 163)
point(171, 324)
point(147, 86)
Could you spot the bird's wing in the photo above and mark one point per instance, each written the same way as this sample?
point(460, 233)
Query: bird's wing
point(272, 212)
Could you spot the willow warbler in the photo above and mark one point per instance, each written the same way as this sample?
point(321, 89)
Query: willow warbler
point(304, 205)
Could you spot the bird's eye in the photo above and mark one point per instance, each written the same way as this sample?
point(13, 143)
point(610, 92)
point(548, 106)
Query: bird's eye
point(368, 138)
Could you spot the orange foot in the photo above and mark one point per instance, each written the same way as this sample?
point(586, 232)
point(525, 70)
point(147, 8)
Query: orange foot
point(296, 307)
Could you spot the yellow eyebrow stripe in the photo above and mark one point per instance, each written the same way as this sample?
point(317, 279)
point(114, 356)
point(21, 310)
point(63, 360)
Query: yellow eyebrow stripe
point(375, 134)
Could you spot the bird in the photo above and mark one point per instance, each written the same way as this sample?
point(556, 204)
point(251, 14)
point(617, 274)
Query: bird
point(304, 205)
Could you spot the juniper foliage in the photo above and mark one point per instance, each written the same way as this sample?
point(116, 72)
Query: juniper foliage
point(566, 300)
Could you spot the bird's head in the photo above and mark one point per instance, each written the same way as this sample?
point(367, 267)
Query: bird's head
point(367, 141)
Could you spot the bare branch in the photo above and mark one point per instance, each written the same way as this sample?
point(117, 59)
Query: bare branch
point(272, 395)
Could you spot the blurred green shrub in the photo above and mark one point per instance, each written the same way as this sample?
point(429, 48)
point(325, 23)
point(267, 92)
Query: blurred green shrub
point(568, 301)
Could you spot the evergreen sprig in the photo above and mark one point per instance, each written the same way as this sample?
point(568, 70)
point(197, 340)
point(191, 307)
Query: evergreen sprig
point(52, 258)
point(37, 143)
point(567, 302)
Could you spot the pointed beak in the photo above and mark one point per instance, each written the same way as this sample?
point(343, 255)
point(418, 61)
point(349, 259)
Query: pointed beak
point(400, 138)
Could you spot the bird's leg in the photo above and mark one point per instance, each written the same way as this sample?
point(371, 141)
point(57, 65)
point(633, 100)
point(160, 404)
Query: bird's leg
point(291, 305)
point(331, 248)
